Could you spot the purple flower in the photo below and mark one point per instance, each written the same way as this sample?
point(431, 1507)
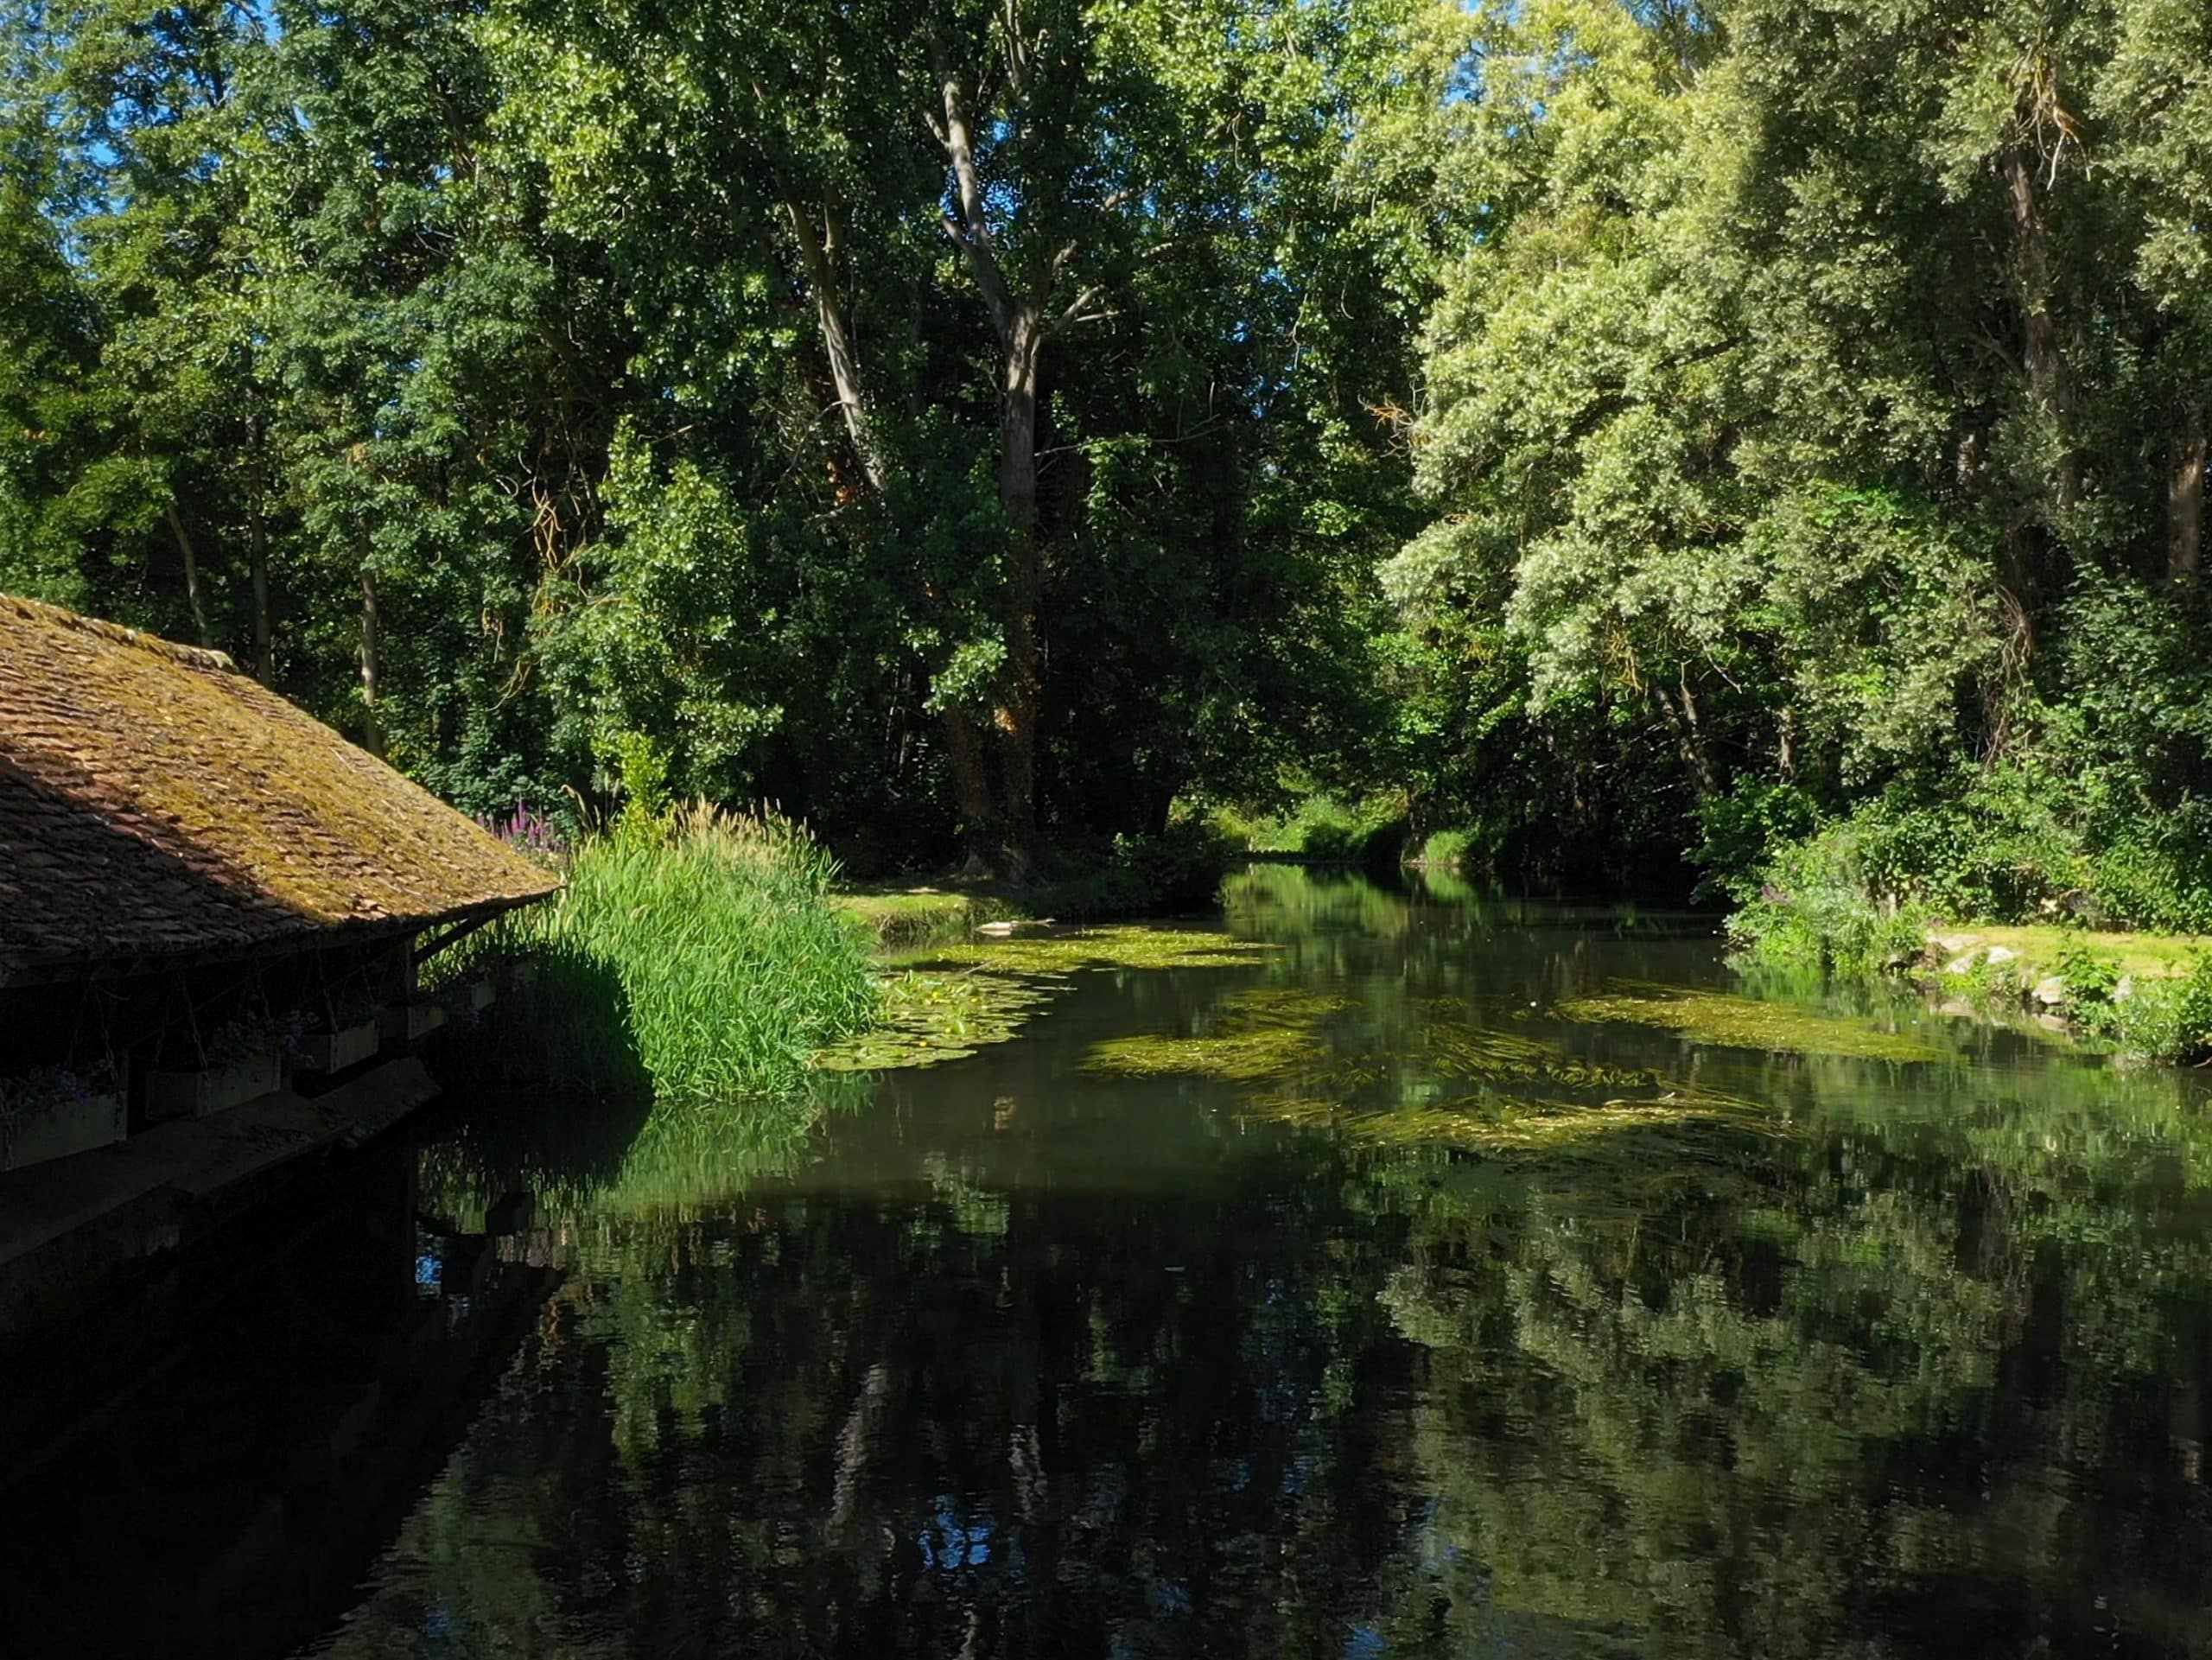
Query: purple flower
point(525, 828)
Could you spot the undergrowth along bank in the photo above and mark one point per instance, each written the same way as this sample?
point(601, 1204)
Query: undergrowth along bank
point(1834, 903)
point(694, 955)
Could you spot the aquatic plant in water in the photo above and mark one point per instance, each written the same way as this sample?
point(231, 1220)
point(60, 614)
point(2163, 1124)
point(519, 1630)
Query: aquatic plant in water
point(1299, 1063)
point(1129, 946)
point(929, 1019)
point(947, 1003)
point(1264, 1033)
point(1745, 1023)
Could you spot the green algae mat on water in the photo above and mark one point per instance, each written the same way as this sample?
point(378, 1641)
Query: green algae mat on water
point(1451, 1084)
point(952, 1000)
point(1733, 1023)
point(1129, 946)
point(1257, 1035)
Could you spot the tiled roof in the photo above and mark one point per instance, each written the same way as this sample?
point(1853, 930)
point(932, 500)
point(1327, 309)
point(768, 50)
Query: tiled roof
point(155, 802)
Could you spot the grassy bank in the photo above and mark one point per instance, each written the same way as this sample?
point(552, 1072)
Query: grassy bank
point(698, 956)
point(2144, 994)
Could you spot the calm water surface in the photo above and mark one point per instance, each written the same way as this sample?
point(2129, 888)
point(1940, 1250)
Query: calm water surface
point(1422, 1313)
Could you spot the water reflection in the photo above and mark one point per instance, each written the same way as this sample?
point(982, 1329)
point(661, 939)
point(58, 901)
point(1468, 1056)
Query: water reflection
point(1904, 1353)
point(207, 1464)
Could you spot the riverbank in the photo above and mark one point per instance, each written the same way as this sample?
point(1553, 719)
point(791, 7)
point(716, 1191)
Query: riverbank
point(2143, 994)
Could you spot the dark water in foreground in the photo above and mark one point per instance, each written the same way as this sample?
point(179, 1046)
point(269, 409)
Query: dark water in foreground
point(1412, 1317)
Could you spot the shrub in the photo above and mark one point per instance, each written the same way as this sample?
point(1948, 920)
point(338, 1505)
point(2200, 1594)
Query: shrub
point(2091, 976)
point(2169, 1019)
point(1448, 849)
point(1328, 832)
point(1817, 908)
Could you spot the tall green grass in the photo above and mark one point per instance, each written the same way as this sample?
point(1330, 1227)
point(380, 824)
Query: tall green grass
point(696, 954)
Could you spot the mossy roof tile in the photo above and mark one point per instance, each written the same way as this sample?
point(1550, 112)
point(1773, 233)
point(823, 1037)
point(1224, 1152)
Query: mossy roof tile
point(156, 802)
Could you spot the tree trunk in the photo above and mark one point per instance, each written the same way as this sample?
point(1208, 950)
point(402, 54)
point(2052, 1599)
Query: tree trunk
point(192, 596)
point(2042, 358)
point(372, 727)
point(1689, 737)
point(1018, 318)
point(816, 252)
point(2185, 496)
point(264, 655)
point(972, 784)
point(1017, 714)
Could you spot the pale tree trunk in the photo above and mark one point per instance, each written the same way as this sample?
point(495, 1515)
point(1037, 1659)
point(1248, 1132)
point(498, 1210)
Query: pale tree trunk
point(1025, 585)
point(964, 746)
point(190, 558)
point(1023, 323)
point(372, 726)
point(818, 252)
point(2185, 496)
point(1681, 715)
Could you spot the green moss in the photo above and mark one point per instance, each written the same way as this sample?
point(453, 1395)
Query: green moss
point(1746, 1023)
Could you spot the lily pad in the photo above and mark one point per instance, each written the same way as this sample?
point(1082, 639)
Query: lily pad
point(929, 1019)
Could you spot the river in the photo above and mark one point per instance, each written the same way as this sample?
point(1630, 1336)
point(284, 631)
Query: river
point(1420, 1274)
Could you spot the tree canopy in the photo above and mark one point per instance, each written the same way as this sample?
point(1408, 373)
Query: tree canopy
point(1646, 436)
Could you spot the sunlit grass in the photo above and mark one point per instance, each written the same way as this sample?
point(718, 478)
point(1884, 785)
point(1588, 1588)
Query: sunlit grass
point(699, 957)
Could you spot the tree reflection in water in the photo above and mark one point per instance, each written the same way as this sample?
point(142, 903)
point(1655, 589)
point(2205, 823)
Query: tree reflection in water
point(1019, 1356)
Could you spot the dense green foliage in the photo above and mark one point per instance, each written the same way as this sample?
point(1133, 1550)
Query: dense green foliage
point(960, 421)
point(1815, 422)
point(1762, 441)
point(696, 958)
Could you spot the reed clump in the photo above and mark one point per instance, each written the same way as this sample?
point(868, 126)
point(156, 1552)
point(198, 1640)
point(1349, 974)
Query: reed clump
point(697, 953)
